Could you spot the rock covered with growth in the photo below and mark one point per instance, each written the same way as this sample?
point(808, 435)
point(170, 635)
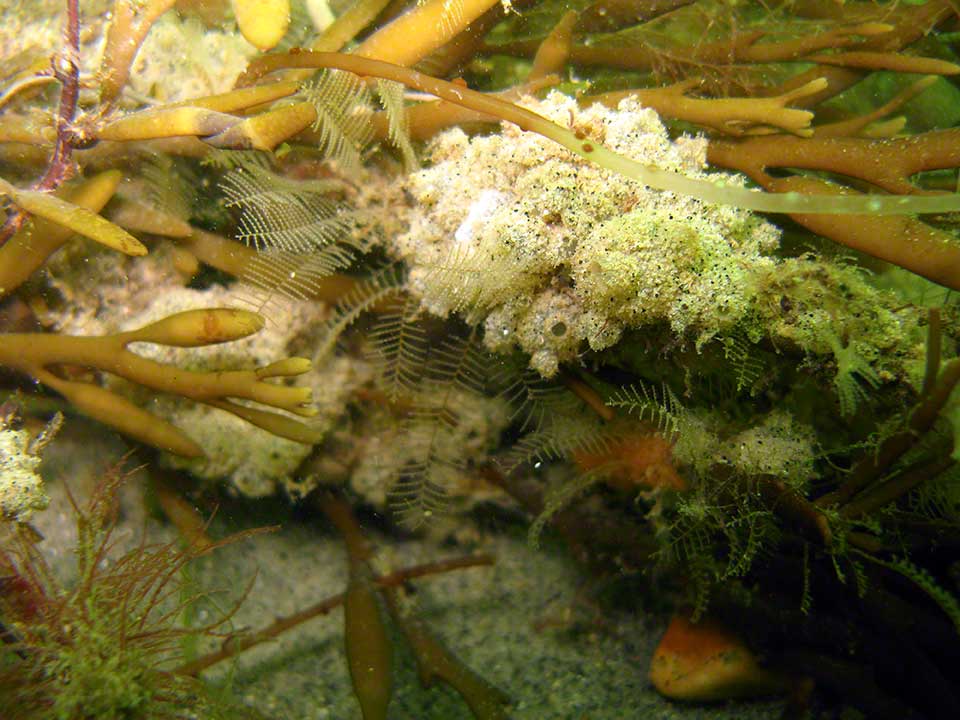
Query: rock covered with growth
point(776, 445)
point(552, 253)
point(21, 487)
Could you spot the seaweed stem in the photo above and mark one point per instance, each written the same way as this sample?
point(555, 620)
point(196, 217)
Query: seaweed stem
point(66, 69)
point(236, 645)
point(721, 192)
point(921, 420)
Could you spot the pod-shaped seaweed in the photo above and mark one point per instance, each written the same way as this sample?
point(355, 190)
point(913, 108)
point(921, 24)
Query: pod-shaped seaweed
point(368, 646)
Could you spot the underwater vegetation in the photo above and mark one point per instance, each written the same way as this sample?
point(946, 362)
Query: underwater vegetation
point(107, 645)
point(674, 281)
point(111, 644)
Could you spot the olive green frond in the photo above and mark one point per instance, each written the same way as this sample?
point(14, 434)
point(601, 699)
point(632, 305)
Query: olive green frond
point(281, 213)
point(344, 121)
point(456, 370)
point(559, 438)
point(391, 96)
point(560, 496)
point(534, 399)
point(660, 407)
point(379, 287)
point(746, 364)
point(400, 344)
